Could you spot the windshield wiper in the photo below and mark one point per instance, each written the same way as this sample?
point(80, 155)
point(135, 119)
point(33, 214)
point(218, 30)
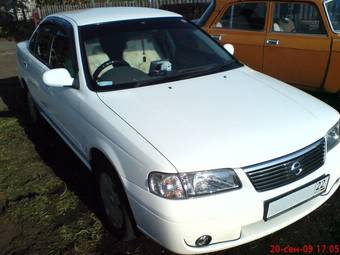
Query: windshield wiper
point(182, 74)
point(178, 75)
point(224, 67)
point(210, 69)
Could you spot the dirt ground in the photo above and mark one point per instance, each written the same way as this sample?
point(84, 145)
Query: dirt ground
point(46, 193)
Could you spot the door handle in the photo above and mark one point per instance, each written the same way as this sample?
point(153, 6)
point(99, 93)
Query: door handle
point(217, 37)
point(272, 42)
point(25, 65)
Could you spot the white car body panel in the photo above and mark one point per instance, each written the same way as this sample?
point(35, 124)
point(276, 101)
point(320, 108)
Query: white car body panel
point(229, 119)
point(212, 122)
point(100, 15)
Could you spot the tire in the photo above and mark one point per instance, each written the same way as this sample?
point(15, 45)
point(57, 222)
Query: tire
point(113, 204)
point(34, 115)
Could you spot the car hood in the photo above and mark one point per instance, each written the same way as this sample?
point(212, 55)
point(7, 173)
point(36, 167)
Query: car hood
point(229, 119)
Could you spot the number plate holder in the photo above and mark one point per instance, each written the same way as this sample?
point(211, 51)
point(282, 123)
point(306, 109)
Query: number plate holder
point(285, 202)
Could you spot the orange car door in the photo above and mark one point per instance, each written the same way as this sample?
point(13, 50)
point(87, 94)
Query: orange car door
point(297, 47)
point(243, 25)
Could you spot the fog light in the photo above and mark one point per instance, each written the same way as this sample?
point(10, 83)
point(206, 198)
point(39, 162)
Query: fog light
point(203, 240)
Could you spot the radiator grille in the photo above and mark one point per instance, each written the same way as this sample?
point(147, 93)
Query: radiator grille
point(279, 172)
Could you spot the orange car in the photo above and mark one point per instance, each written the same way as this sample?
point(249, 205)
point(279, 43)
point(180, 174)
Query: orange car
point(295, 41)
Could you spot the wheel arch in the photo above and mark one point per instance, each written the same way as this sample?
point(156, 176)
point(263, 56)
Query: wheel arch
point(97, 155)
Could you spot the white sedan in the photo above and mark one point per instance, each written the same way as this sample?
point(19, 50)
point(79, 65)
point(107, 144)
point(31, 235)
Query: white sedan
point(196, 150)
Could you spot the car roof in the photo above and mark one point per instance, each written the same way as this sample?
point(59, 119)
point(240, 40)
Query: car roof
point(109, 14)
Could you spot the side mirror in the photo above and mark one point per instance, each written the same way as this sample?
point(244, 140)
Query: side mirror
point(58, 77)
point(230, 48)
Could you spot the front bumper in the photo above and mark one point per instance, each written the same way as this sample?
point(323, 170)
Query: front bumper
point(231, 218)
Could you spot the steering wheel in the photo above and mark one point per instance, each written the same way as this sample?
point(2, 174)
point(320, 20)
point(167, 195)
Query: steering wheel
point(114, 63)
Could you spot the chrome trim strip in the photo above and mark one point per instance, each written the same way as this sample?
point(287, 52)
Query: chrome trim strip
point(283, 159)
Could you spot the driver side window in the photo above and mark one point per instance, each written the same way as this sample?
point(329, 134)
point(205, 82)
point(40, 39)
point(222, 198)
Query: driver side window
point(60, 55)
point(42, 45)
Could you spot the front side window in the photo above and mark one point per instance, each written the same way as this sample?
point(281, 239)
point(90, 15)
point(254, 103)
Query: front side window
point(43, 43)
point(129, 54)
point(60, 55)
point(244, 16)
point(333, 11)
point(302, 18)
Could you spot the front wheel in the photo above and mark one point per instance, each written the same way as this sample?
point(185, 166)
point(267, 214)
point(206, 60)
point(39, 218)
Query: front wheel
point(113, 204)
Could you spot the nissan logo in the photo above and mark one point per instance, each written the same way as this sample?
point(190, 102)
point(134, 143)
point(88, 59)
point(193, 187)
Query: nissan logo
point(296, 168)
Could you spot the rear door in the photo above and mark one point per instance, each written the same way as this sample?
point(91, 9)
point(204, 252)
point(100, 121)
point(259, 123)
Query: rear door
point(243, 24)
point(297, 46)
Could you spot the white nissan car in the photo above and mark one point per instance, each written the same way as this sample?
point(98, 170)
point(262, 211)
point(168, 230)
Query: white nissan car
point(196, 150)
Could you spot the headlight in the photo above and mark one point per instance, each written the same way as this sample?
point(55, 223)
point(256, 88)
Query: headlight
point(166, 185)
point(185, 185)
point(333, 136)
point(208, 182)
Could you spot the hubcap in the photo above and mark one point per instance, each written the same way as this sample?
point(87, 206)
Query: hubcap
point(111, 201)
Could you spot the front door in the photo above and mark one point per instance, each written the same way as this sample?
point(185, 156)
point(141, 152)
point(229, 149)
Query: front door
point(297, 46)
point(65, 100)
point(243, 25)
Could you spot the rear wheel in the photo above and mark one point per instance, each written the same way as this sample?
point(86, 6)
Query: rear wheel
point(113, 203)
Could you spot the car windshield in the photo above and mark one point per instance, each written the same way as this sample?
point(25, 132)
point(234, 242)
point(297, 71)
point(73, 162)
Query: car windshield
point(120, 55)
point(333, 11)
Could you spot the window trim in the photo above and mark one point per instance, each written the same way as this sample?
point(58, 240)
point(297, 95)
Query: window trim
point(227, 6)
point(271, 21)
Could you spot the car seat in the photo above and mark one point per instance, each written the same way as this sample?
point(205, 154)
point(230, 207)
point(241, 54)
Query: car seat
point(95, 55)
point(140, 51)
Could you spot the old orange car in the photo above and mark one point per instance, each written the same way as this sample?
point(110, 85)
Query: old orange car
point(295, 41)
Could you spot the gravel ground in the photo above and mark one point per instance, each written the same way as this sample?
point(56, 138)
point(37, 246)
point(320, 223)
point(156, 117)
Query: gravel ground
point(46, 193)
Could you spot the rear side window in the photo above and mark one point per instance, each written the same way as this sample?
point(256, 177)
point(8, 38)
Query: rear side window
point(244, 16)
point(302, 18)
point(43, 44)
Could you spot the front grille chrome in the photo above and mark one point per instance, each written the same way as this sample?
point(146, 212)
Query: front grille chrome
point(279, 172)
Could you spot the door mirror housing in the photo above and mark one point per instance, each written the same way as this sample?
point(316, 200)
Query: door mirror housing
point(230, 48)
point(58, 77)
